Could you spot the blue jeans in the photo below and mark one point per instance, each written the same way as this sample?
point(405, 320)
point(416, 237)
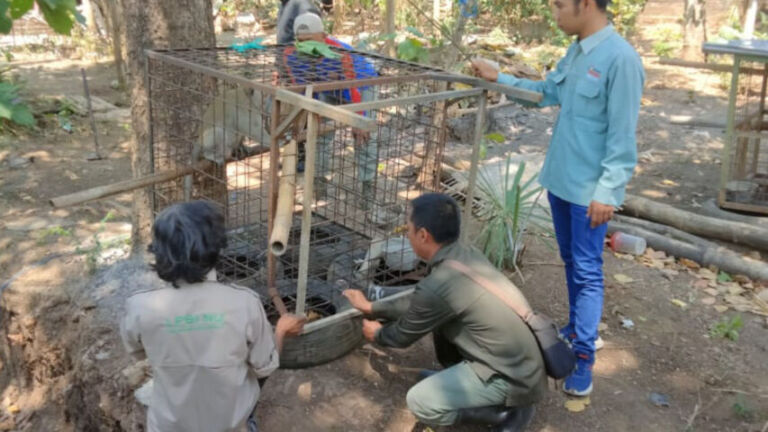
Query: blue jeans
point(581, 248)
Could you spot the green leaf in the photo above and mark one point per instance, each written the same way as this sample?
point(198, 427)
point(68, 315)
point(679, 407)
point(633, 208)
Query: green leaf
point(483, 151)
point(6, 110)
point(23, 116)
point(20, 7)
point(61, 16)
point(414, 31)
point(5, 22)
point(495, 137)
point(724, 277)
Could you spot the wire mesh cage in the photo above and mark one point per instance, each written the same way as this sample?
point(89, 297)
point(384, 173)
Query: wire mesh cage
point(222, 116)
point(745, 184)
point(744, 175)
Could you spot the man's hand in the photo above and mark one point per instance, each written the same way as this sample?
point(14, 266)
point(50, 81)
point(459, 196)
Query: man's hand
point(484, 70)
point(358, 301)
point(290, 325)
point(370, 328)
point(599, 213)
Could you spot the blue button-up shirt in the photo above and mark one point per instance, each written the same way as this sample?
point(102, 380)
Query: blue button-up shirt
point(598, 85)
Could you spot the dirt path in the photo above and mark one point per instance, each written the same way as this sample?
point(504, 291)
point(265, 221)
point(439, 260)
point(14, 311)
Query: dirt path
point(54, 307)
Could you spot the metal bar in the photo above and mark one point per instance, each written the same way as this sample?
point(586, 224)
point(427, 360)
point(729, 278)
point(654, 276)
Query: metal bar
point(274, 153)
point(287, 122)
point(470, 195)
point(729, 130)
point(365, 82)
point(310, 148)
point(326, 110)
point(710, 66)
point(349, 313)
point(408, 100)
point(510, 91)
point(227, 77)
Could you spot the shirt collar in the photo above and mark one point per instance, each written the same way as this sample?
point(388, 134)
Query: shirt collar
point(443, 253)
point(590, 42)
point(211, 276)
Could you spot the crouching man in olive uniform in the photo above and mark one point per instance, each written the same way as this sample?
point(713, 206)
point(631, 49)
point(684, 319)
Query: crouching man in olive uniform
point(493, 367)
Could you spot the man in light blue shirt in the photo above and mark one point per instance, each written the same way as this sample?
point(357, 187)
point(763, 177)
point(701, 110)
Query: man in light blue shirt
point(592, 155)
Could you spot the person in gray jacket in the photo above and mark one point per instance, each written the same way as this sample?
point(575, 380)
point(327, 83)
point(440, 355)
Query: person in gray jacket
point(209, 344)
point(289, 10)
point(494, 372)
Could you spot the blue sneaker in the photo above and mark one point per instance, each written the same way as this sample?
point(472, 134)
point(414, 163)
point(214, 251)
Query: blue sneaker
point(579, 382)
point(568, 334)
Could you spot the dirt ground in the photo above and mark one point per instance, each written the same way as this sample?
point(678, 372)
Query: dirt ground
point(64, 369)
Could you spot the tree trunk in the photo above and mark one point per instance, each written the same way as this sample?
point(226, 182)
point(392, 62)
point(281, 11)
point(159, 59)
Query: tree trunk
point(159, 24)
point(390, 30)
point(694, 29)
point(750, 16)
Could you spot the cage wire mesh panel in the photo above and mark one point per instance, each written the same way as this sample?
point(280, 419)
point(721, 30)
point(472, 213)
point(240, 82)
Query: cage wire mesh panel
point(746, 182)
point(217, 105)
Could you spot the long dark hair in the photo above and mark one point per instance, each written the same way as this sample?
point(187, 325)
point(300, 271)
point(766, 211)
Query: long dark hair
point(186, 241)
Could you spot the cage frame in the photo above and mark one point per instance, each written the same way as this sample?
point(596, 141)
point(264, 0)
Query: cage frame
point(299, 98)
point(741, 128)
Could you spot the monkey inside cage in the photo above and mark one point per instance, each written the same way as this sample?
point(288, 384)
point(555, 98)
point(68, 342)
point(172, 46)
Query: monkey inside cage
point(313, 160)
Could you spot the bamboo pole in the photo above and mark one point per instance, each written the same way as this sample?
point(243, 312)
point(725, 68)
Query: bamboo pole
point(479, 121)
point(274, 294)
point(306, 219)
point(99, 192)
point(278, 241)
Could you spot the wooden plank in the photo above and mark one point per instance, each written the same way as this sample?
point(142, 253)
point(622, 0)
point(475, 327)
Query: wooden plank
point(104, 191)
point(306, 217)
point(365, 82)
point(326, 110)
point(514, 92)
point(730, 138)
point(479, 120)
point(409, 100)
point(754, 208)
point(349, 313)
point(709, 66)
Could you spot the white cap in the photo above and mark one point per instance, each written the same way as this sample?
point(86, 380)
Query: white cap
point(307, 23)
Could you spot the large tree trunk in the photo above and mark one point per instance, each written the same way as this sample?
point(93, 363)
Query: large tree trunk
point(157, 24)
point(750, 16)
point(694, 29)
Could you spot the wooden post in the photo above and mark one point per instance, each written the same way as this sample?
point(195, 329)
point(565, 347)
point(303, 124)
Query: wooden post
point(97, 155)
point(390, 30)
point(730, 133)
point(274, 154)
point(470, 195)
point(761, 113)
point(306, 217)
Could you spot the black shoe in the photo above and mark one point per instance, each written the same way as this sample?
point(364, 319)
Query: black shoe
point(488, 415)
point(516, 420)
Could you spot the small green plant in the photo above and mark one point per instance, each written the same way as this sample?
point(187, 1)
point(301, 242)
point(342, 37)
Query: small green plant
point(92, 253)
point(13, 109)
point(742, 409)
point(507, 207)
point(624, 14)
point(667, 41)
point(54, 232)
point(61, 15)
point(727, 328)
point(488, 141)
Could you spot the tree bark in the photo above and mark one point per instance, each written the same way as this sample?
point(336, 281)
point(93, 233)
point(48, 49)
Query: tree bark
point(390, 27)
point(694, 29)
point(157, 24)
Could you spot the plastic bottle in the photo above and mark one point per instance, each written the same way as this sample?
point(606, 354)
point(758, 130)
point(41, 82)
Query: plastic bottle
point(626, 243)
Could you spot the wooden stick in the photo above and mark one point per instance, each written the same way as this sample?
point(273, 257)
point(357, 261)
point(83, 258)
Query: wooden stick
point(281, 229)
point(99, 192)
point(409, 100)
point(479, 120)
point(514, 92)
point(326, 110)
point(306, 218)
point(287, 122)
point(733, 232)
point(349, 313)
point(709, 66)
point(90, 114)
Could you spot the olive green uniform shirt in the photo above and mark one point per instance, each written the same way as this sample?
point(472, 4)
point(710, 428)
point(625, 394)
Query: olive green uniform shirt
point(491, 337)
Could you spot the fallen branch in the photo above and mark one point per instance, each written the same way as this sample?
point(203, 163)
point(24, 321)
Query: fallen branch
point(734, 232)
point(665, 230)
point(711, 209)
point(723, 258)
